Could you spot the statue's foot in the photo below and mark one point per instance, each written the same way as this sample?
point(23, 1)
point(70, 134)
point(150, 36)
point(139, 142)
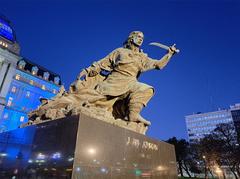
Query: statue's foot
point(139, 118)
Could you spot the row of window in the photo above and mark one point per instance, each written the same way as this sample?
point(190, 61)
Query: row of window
point(28, 93)
point(203, 129)
point(6, 116)
point(31, 82)
point(3, 44)
point(213, 116)
point(197, 120)
point(34, 71)
point(13, 106)
point(208, 122)
point(14, 90)
point(24, 101)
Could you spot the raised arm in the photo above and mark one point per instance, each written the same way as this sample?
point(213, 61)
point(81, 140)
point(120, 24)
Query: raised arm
point(149, 63)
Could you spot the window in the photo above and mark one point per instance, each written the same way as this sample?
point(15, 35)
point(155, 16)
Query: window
point(14, 89)
point(17, 77)
point(46, 75)
point(9, 103)
point(5, 116)
point(3, 44)
point(21, 118)
point(56, 80)
point(34, 70)
point(28, 94)
point(21, 64)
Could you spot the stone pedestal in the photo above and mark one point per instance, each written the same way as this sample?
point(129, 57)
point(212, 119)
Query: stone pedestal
point(84, 148)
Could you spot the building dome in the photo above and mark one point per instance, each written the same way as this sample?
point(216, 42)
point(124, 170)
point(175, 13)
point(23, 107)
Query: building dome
point(8, 36)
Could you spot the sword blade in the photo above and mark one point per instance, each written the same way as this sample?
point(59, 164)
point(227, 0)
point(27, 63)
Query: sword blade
point(163, 46)
point(160, 45)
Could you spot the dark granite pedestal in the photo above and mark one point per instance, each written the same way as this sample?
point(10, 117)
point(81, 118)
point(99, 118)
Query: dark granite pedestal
point(84, 148)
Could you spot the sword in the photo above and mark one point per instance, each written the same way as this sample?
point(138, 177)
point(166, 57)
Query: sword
point(164, 46)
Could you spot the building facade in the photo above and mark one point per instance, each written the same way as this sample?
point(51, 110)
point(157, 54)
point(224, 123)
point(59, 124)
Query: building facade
point(22, 82)
point(29, 84)
point(9, 56)
point(8, 38)
point(201, 124)
point(235, 112)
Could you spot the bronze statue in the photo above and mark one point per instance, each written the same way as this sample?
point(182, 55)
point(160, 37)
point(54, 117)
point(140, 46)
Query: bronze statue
point(115, 96)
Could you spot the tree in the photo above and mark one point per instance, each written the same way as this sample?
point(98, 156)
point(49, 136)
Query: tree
point(183, 156)
point(230, 150)
point(220, 148)
point(207, 153)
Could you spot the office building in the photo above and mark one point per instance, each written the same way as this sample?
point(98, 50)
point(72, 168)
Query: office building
point(201, 124)
point(9, 56)
point(235, 112)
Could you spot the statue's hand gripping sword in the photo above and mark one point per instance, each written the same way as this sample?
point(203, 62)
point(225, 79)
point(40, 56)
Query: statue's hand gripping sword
point(164, 46)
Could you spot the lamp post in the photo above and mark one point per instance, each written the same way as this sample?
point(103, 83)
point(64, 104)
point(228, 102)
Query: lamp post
point(205, 166)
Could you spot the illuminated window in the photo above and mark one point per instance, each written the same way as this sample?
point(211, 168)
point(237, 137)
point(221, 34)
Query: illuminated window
point(46, 75)
point(21, 64)
point(17, 77)
point(5, 116)
point(31, 82)
point(3, 44)
point(54, 91)
point(14, 89)
point(43, 87)
point(9, 103)
point(21, 118)
point(28, 94)
point(56, 80)
point(34, 70)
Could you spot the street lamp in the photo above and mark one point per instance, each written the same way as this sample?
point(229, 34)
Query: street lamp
point(205, 166)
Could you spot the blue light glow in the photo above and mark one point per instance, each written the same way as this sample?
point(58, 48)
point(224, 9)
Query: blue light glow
point(56, 155)
point(22, 98)
point(6, 31)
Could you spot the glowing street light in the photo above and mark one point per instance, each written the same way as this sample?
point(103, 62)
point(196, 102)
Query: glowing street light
point(56, 155)
point(41, 156)
point(3, 154)
point(70, 159)
point(91, 151)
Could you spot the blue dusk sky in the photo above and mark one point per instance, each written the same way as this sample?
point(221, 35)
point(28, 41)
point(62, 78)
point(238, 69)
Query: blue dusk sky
point(67, 36)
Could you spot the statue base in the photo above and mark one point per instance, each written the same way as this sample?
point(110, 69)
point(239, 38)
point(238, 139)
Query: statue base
point(83, 147)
